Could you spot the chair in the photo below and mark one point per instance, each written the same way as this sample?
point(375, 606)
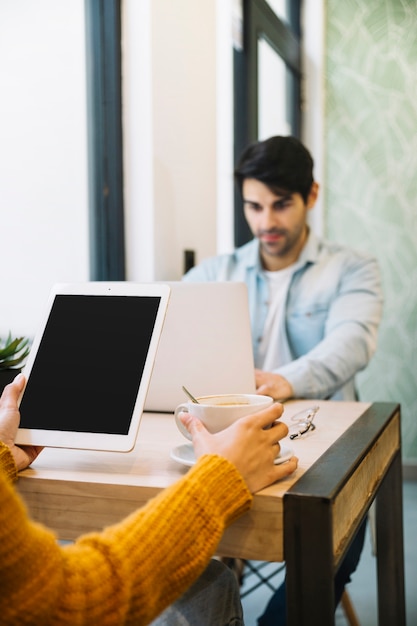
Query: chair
point(349, 609)
point(242, 569)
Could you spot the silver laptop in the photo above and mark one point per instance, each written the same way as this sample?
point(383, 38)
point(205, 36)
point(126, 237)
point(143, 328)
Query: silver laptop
point(205, 345)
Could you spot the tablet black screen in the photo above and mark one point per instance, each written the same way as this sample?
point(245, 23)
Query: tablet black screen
point(89, 364)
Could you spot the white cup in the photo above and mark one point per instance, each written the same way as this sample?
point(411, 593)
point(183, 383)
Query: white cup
point(219, 412)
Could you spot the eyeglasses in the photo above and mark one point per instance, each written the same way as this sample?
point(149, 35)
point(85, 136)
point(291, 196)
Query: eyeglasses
point(303, 422)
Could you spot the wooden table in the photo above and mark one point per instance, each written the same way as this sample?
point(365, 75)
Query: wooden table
point(308, 520)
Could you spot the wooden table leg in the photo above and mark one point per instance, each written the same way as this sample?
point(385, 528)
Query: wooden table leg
point(309, 562)
point(389, 545)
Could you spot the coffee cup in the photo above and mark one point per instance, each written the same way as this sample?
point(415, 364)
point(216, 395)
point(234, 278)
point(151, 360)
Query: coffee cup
point(219, 412)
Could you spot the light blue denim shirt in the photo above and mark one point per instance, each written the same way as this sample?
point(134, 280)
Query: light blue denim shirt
point(333, 310)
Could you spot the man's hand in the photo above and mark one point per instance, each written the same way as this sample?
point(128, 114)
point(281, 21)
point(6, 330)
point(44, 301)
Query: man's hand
point(9, 423)
point(251, 444)
point(274, 385)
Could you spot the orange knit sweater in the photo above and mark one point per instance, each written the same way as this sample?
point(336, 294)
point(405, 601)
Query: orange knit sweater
point(126, 574)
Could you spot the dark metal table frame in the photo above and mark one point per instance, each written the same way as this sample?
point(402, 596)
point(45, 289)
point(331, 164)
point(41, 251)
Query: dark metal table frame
point(369, 452)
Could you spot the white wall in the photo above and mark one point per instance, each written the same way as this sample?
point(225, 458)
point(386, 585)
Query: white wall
point(178, 133)
point(43, 179)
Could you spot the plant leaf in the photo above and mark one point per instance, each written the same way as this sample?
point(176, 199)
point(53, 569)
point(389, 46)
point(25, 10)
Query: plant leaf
point(14, 352)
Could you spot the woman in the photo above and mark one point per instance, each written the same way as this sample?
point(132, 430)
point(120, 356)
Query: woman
point(132, 571)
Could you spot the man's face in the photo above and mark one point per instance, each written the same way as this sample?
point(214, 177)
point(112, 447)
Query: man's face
point(278, 221)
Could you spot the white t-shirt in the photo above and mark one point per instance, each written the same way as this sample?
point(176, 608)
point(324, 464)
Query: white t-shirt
point(273, 348)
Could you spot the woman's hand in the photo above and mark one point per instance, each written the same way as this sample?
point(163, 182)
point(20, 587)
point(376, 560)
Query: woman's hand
point(9, 423)
point(249, 444)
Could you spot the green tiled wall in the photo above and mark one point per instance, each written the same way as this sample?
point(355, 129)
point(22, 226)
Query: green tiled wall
point(371, 176)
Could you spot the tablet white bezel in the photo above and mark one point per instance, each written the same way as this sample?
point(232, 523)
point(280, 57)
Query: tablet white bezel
point(89, 440)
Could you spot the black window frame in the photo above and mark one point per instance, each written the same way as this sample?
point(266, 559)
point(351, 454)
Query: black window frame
point(105, 139)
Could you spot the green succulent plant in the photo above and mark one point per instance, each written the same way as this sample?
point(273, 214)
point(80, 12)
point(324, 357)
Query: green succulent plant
point(13, 352)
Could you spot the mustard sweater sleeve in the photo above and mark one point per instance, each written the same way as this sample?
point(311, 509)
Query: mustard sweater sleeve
point(128, 573)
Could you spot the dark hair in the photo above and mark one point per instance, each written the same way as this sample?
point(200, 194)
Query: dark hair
point(281, 163)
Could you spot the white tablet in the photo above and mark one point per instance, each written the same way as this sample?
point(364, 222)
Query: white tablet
point(90, 365)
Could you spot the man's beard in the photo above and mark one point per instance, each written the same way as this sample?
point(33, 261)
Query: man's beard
point(275, 248)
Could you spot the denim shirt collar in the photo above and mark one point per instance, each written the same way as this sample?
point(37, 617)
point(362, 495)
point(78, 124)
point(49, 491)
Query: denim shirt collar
point(310, 252)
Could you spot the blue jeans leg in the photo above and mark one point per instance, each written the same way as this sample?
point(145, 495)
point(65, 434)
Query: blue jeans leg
point(276, 610)
point(213, 600)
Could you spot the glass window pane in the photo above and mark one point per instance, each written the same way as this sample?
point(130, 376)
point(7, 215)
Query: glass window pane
point(272, 96)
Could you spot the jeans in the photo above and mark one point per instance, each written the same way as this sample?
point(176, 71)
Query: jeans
point(276, 611)
point(213, 600)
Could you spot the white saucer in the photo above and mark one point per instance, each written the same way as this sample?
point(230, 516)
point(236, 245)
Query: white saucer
point(185, 455)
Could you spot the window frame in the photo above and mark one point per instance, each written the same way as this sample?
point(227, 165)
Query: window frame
point(105, 139)
point(259, 20)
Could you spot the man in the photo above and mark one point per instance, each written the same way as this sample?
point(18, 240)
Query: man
point(315, 306)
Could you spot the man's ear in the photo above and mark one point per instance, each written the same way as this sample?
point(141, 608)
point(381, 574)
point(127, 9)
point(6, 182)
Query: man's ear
point(313, 195)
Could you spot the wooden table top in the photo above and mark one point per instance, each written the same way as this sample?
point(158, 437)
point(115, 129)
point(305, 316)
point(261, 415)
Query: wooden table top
point(76, 491)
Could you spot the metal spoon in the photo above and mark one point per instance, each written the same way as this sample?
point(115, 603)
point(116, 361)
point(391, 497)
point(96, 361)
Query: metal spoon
point(190, 395)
